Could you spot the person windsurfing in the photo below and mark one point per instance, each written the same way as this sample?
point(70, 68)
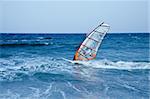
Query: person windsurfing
point(89, 47)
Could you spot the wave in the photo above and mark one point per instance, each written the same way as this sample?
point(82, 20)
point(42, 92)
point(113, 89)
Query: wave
point(27, 41)
point(19, 68)
point(121, 65)
point(26, 44)
point(36, 43)
point(46, 77)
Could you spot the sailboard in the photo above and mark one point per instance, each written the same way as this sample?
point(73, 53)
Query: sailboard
point(89, 47)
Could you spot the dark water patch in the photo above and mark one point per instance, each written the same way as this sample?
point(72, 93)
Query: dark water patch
point(2, 55)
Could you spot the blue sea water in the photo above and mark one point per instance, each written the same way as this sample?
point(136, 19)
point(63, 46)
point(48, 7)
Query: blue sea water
point(34, 66)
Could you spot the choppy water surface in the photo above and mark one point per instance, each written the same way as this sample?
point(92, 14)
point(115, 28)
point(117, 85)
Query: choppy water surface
point(36, 66)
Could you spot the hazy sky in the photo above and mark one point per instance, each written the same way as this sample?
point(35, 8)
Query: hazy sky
point(73, 16)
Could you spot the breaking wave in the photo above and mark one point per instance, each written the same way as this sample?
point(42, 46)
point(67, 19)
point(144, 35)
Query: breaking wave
point(34, 42)
point(20, 68)
point(122, 65)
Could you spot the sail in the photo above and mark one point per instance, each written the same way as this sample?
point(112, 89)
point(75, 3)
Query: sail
point(89, 47)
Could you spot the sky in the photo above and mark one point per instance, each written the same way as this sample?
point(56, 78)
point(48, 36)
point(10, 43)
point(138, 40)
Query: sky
point(80, 16)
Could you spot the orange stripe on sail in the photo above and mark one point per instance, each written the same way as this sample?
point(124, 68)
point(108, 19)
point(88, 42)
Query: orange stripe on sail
point(76, 56)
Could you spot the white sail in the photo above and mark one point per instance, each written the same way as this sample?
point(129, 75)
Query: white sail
point(88, 49)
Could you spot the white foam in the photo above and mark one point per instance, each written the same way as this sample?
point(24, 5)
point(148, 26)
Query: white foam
point(46, 43)
point(124, 65)
point(29, 66)
point(72, 86)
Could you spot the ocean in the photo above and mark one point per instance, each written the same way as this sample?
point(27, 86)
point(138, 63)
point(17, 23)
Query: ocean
point(34, 66)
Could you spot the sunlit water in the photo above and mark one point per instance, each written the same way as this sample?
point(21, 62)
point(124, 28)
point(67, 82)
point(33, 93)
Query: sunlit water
point(40, 66)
